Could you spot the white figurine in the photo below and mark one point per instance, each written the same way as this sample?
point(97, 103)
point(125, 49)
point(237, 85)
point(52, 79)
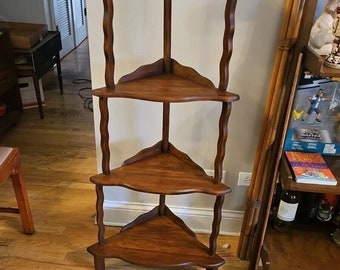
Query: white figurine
point(322, 32)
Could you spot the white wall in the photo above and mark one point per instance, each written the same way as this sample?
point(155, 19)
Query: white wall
point(32, 11)
point(197, 40)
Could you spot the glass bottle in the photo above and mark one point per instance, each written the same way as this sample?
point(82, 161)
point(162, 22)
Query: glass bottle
point(287, 210)
point(308, 206)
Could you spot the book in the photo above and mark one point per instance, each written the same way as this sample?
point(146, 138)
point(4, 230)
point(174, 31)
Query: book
point(310, 168)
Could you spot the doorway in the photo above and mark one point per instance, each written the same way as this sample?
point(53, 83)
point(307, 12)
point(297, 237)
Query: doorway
point(70, 20)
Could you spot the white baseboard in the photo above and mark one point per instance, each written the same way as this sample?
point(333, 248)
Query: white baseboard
point(198, 219)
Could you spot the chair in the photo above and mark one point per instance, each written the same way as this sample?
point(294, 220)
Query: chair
point(10, 168)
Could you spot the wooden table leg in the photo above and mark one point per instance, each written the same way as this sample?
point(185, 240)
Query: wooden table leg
point(99, 263)
point(60, 77)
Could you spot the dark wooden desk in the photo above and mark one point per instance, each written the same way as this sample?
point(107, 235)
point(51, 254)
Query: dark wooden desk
point(38, 60)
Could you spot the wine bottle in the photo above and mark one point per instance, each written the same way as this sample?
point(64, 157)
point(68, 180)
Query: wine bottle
point(308, 206)
point(287, 210)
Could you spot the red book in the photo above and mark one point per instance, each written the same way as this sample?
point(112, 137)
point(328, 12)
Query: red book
point(310, 168)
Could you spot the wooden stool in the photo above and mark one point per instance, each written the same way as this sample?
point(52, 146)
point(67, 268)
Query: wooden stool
point(10, 168)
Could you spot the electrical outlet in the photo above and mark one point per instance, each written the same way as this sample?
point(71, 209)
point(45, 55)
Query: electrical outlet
point(244, 178)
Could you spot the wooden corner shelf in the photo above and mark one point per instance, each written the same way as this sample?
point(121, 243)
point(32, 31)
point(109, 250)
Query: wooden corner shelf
point(159, 238)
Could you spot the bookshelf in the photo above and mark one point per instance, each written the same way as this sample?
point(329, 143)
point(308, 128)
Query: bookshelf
point(258, 240)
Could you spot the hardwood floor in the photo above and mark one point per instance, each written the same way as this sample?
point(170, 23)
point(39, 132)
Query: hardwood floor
point(58, 157)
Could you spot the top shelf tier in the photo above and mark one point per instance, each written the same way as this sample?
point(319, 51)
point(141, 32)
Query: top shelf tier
point(151, 83)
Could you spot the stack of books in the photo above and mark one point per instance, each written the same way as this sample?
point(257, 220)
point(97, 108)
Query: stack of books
point(310, 168)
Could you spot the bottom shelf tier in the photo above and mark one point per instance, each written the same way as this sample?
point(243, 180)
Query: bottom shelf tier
point(306, 246)
point(157, 242)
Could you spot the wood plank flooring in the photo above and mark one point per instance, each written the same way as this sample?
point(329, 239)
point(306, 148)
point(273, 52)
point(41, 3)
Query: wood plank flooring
point(58, 157)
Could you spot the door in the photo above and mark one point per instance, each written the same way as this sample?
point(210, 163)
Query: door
point(63, 17)
point(70, 16)
point(79, 21)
